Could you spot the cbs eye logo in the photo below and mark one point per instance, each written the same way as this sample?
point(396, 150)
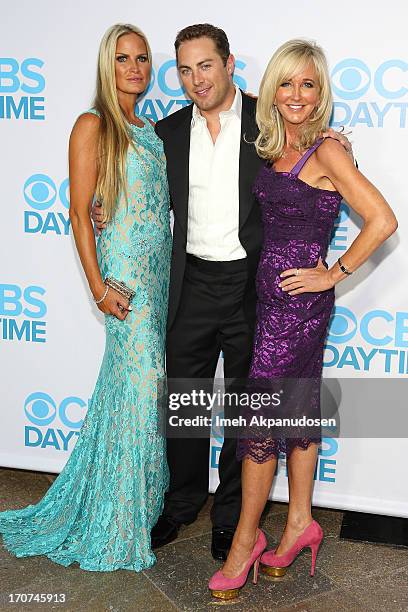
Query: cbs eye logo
point(343, 325)
point(40, 192)
point(42, 410)
point(376, 327)
point(351, 79)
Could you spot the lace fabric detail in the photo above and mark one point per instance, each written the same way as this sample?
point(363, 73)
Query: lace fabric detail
point(290, 330)
point(100, 510)
point(261, 451)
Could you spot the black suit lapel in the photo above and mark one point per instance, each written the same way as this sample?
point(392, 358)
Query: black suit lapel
point(178, 163)
point(177, 149)
point(249, 162)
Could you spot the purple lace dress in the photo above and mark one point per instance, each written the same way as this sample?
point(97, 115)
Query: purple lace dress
point(291, 330)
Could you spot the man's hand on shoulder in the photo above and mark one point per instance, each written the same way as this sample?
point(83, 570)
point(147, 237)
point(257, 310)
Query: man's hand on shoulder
point(342, 139)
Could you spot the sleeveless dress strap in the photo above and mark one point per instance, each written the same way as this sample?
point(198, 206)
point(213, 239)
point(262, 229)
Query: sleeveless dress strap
point(299, 165)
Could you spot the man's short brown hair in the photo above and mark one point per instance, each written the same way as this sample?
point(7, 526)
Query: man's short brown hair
point(200, 30)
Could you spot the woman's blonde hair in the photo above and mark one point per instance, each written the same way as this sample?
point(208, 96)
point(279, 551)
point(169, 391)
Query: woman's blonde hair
point(285, 63)
point(115, 136)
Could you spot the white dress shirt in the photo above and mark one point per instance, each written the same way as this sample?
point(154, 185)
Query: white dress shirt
point(213, 200)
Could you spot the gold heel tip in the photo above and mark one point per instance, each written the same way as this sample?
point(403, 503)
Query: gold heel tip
point(275, 572)
point(229, 594)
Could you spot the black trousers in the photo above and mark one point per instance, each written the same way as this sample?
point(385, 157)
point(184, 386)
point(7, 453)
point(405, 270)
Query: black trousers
point(210, 318)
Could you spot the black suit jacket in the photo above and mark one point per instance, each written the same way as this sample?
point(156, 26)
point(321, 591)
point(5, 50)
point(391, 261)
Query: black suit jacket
point(175, 134)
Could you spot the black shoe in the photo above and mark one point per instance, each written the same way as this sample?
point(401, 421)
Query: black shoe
point(221, 543)
point(164, 532)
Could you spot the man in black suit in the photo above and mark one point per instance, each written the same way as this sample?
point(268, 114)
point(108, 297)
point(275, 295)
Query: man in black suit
point(211, 166)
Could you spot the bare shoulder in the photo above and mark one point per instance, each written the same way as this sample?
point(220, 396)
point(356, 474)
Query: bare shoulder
point(87, 123)
point(331, 152)
point(86, 129)
point(330, 146)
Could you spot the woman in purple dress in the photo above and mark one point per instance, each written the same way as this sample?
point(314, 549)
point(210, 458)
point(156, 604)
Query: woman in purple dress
point(299, 189)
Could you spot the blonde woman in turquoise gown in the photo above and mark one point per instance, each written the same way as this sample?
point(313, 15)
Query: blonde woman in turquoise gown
point(101, 508)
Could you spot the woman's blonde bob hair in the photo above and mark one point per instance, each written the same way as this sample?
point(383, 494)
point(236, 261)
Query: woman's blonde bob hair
point(290, 59)
point(115, 136)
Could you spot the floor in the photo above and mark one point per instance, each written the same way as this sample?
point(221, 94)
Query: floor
point(350, 576)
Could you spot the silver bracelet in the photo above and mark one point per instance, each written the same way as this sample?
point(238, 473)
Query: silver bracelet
point(103, 297)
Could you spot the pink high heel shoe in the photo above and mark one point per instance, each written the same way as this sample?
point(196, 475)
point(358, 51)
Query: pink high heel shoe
point(228, 588)
point(277, 565)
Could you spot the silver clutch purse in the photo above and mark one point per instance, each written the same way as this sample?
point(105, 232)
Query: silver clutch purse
point(120, 287)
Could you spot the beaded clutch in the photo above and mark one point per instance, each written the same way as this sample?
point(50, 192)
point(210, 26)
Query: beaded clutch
point(120, 287)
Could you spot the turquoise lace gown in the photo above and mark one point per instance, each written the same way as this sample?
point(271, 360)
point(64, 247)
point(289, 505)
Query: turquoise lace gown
point(100, 510)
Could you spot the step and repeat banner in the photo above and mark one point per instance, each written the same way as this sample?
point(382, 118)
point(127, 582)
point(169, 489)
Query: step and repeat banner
point(52, 335)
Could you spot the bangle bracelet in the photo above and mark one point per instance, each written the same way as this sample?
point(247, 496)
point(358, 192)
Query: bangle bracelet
point(343, 267)
point(103, 297)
